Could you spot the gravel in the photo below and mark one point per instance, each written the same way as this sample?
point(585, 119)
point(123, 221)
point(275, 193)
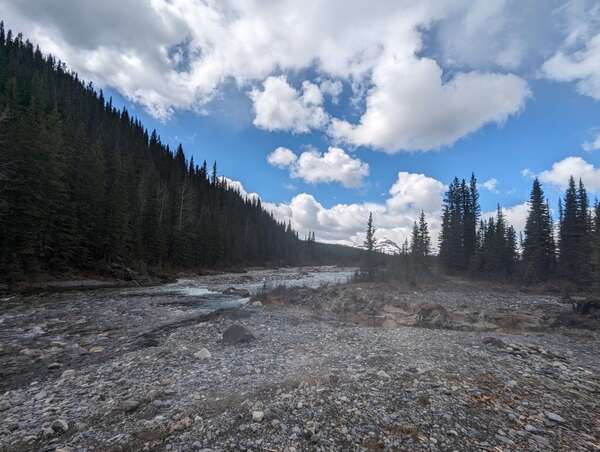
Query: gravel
point(303, 383)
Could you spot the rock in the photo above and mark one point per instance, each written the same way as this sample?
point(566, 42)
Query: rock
point(257, 304)
point(237, 334)
point(67, 373)
point(554, 417)
point(129, 406)
point(492, 341)
point(60, 426)
point(505, 440)
point(53, 366)
point(258, 416)
point(182, 424)
point(383, 374)
point(202, 354)
point(96, 349)
point(238, 292)
point(4, 405)
point(433, 315)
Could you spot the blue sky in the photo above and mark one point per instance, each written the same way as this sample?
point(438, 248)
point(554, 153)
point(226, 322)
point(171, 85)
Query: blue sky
point(369, 109)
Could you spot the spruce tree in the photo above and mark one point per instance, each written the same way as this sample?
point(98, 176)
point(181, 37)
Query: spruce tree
point(595, 248)
point(538, 242)
point(584, 225)
point(369, 245)
point(569, 233)
point(420, 246)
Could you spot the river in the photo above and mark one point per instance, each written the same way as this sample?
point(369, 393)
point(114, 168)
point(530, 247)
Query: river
point(42, 334)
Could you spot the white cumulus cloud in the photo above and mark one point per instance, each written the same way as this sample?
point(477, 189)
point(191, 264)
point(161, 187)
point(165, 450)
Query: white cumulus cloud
point(281, 157)
point(278, 106)
point(411, 108)
point(334, 165)
point(345, 223)
point(577, 167)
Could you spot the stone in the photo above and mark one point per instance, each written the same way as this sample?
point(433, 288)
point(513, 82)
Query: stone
point(258, 416)
point(129, 406)
point(4, 405)
point(182, 424)
point(505, 440)
point(96, 349)
point(554, 417)
point(383, 374)
point(257, 304)
point(492, 341)
point(53, 366)
point(202, 354)
point(237, 334)
point(68, 373)
point(60, 426)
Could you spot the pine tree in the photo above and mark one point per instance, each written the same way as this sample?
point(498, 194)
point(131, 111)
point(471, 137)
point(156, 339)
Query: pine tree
point(420, 246)
point(595, 248)
point(369, 245)
point(458, 238)
point(538, 243)
point(584, 225)
point(569, 234)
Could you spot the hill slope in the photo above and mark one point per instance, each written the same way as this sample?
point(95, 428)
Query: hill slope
point(83, 185)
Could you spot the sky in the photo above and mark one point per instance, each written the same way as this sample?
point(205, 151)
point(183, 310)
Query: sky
point(328, 110)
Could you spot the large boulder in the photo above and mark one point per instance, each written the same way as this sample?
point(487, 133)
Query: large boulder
point(237, 334)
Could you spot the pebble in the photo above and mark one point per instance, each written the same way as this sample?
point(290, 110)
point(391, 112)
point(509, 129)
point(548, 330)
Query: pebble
point(129, 406)
point(383, 374)
point(60, 426)
point(203, 354)
point(258, 416)
point(554, 417)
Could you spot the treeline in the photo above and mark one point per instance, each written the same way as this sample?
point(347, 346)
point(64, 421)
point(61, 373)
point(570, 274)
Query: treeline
point(470, 244)
point(385, 260)
point(568, 251)
point(83, 185)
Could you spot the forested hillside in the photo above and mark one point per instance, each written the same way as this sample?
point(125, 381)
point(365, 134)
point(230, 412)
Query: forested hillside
point(83, 185)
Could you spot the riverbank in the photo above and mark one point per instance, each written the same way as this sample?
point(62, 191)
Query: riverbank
point(161, 379)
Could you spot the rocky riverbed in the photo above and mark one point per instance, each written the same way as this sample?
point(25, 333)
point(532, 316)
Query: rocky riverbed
point(148, 370)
